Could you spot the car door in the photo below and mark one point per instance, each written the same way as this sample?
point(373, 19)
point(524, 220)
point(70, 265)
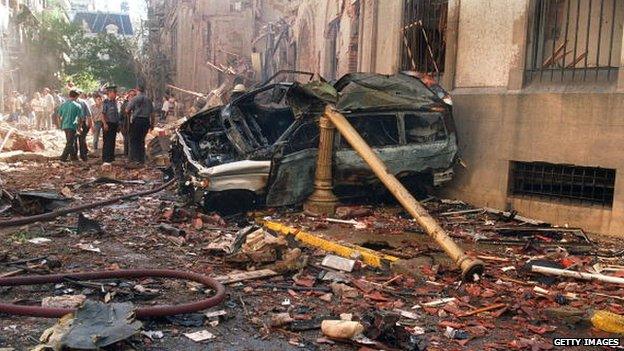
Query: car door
point(428, 145)
point(381, 131)
point(292, 171)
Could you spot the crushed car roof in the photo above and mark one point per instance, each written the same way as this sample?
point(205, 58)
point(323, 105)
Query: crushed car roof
point(372, 91)
point(357, 92)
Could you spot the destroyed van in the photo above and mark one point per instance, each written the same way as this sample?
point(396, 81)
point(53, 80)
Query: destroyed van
point(261, 148)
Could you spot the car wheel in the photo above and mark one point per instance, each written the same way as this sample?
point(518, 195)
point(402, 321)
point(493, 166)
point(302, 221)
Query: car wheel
point(231, 202)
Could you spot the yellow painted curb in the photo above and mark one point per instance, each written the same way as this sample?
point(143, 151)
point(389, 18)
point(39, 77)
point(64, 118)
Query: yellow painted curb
point(370, 257)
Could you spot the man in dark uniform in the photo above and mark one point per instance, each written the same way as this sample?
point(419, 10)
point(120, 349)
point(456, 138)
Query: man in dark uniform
point(140, 110)
point(110, 124)
point(125, 120)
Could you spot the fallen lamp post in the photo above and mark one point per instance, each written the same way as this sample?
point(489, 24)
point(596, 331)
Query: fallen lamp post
point(471, 268)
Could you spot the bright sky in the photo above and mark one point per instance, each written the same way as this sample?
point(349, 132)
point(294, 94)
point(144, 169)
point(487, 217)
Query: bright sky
point(137, 7)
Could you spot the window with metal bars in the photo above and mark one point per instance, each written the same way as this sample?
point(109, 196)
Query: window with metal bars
point(574, 40)
point(575, 184)
point(424, 36)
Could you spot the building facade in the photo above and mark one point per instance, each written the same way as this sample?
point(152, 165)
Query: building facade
point(538, 85)
point(97, 22)
point(538, 90)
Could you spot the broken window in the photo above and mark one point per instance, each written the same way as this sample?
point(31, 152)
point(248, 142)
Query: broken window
point(305, 137)
point(331, 49)
point(424, 128)
point(576, 184)
point(354, 11)
point(376, 130)
point(424, 36)
point(574, 40)
point(208, 41)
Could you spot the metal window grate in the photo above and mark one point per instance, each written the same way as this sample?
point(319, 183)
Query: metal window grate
point(424, 36)
point(578, 184)
point(574, 40)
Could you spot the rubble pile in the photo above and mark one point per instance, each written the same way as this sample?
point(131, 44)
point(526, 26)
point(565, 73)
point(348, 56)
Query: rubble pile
point(24, 138)
point(368, 279)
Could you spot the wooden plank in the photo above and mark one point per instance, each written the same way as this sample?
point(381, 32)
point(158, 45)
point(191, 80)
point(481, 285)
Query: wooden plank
point(484, 309)
point(243, 276)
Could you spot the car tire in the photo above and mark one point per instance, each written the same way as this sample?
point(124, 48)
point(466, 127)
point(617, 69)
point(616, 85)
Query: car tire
point(229, 202)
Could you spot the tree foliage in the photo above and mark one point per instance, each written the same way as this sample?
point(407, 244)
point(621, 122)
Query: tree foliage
point(61, 50)
point(106, 57)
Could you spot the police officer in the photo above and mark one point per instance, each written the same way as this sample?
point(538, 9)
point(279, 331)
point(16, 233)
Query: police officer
point(110, 124)
point(140, 110)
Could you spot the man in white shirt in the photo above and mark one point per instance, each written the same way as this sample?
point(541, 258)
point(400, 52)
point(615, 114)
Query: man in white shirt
point(48, 108)
point(165, 108)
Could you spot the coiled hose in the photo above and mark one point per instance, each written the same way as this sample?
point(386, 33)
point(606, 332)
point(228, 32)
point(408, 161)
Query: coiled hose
point(155, 311)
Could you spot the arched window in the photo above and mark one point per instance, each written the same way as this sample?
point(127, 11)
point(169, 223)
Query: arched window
point(112, 29)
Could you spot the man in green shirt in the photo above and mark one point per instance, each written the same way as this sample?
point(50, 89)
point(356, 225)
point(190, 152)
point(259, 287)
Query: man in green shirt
point(70, 114)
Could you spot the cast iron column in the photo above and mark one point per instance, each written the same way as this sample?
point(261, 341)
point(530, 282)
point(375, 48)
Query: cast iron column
point(323, 201)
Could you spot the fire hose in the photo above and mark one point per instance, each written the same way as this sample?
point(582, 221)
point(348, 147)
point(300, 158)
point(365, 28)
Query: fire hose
point(155, 311)
point(66, 210)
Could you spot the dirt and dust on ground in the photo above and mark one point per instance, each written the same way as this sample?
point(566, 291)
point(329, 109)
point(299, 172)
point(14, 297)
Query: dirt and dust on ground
point(396, 291)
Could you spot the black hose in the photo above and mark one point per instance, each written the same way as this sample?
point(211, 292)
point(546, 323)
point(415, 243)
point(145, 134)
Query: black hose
point(66, 210)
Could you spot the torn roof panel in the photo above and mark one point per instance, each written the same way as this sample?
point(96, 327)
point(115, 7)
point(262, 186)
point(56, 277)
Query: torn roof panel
point(372, 91)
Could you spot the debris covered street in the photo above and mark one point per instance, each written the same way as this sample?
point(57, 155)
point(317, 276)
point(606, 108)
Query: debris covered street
point(508, 308)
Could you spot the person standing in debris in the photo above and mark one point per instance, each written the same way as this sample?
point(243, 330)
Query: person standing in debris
point(83, 128)
point(15, 105)
point(36, 104)
point(24, 105)
point(49, 104)
point(58, 101)
point(172, 110)
point(71, 116)
point(140, 110)
point(110, 124)
point(91, 100)
point(96, 116)
point(125, 120)
point(164, 109)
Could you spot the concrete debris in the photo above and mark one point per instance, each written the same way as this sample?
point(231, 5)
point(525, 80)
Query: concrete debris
point(89, 247)
point(341, 329)
point(38, 241)
point(280, 319)
point(455, 333)
point(344, 291)
point(66, 301)
point(153, 334)
point(199, 336)
point(339, 263)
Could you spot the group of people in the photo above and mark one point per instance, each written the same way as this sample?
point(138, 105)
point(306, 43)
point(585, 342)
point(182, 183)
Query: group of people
point(105, 113)
point(39, 110)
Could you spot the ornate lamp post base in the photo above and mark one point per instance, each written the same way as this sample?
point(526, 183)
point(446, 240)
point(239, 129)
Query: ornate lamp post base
point(323, 202)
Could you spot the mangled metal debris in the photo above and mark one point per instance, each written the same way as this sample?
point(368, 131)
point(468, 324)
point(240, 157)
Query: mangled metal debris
point(94, 325)
point(34, 202)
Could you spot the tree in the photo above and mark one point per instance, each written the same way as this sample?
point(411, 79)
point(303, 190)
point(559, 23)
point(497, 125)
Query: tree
point(61, 50)
point(44, 57)
point(106, 57)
